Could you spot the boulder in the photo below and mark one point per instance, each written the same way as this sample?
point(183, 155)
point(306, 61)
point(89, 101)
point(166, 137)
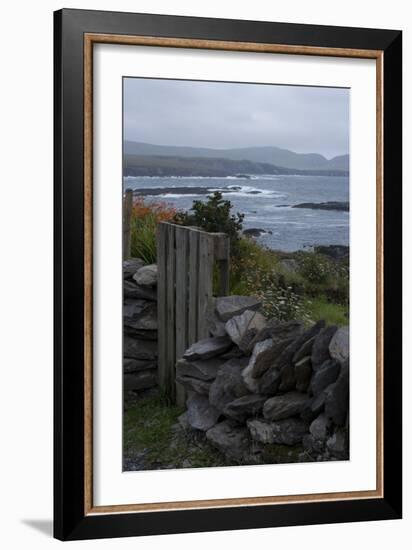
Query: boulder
point(194, 384)
point(260, 430)
point(130, 267)
point(338, 444)
point(303, 373)
point(135, 365)
point(270, 381)
point(233, 353)
point(249, 380)
point(231, 440)
point(339, 345)
point(242, 408)
point(279, 331)
point(287, 378)
point(320, 349)
point(140, 380)
point(324, 376)
point(304, 351)
point(139, 349)
point(140, 314)
point(238, 326)
point(313, 407)
point(135, 291)
point(289, 431)
point(202, 370)
point(320, 427)
point(228, 385)
point(265, 355)
point(201, 415)
point(284, 406)
point(229, 306)
point(215, 326)
point(313, 445)
point(140, 334)
point(146, 275)
point(208, 348)
point(337, 397)
point(284, 432)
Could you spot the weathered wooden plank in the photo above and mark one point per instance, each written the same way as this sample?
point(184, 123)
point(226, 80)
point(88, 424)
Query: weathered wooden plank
point(127, 217)
point(182, 292)
point(171, 311)
point(206, 254)
point(162, 305)
point(222, 254)
point(193, 286)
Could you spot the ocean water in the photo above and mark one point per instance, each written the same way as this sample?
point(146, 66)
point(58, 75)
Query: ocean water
point(266, 202)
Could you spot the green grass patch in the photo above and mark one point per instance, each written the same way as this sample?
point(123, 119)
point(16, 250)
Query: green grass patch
point(333, 314)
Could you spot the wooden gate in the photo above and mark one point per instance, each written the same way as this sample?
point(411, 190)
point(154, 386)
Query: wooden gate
point(186, 257)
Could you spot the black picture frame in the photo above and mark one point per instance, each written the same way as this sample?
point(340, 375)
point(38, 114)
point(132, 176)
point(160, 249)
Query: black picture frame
point(70, 520)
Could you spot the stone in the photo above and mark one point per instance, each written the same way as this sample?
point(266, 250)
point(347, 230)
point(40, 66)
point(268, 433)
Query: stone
point(320, 349)
point(339, 345)
point(135, 365)
point(287, 378)
point(183, 421)
point(215, 326)
point(284, 406)
point(242, 408)
point(279, 331)
point(194, 384)
point(139, 349)
point(284, 432)
point(135, 291)
point(202, 370)
point(233, 353)
point(324, 376)
point(320, 427)
point(201, 415)
point(239, 325)
point(338, 444)
point(228, 385)
point(260, 430)
point(303, 373)
point(130, 267)
point(313, 407)
point(208, 348)
point(233, 441)
point(140, 380)
point(146, 275)
point(289, 431)
point(265, 355)
point(337, 397)
point(140, 334)
point(249, 380)
point(269, 383)
point(304, 351)
point(140, 314)
point(229, 306)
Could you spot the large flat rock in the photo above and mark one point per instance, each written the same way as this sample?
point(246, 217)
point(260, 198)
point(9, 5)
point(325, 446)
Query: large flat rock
point(140, 314)
point(339, 345)
point(228, 385)
point(200, 414)
point(244, 407)
point(139, 349)
point(233, 441)
point(284, 406)
point(208, 348)
point(202, 370)
point(238, 326)
point(229, 306)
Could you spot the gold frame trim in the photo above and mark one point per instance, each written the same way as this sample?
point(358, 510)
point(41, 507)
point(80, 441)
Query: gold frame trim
point(89, 40)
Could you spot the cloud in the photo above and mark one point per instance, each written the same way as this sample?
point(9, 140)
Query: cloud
point(225, 115)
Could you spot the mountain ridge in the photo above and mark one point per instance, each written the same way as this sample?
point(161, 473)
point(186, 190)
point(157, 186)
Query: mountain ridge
point(262, 154)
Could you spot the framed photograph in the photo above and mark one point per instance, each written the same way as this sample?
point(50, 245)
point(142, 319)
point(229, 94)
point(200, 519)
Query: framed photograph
point(227, 274)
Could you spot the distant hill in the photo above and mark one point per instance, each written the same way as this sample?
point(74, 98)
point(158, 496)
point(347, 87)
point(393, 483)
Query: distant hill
point(158, 165)
point(271, 155)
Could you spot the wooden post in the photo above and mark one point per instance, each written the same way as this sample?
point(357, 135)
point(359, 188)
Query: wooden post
point(163, 374)
point(182, 292)
point(127, 217)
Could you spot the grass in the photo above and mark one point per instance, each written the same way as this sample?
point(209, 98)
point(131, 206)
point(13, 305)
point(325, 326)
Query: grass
point(150, 431)
point(333, 314)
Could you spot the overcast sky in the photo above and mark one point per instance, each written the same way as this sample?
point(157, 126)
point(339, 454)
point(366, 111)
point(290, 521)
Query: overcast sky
point(224, 115)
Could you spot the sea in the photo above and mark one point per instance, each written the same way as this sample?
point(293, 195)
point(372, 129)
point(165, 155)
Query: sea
point(266, 202)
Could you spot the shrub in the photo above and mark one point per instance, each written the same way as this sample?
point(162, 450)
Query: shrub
point(145, 217)
point(214, 216)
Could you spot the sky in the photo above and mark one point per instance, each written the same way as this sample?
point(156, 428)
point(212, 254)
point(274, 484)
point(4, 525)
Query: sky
point(229, 115)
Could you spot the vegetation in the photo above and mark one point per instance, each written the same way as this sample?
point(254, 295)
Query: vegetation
point(145, 217)
point(153, 439)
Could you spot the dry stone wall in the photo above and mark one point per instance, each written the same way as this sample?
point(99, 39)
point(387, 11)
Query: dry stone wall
point(139, 326)
point(256, 384)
